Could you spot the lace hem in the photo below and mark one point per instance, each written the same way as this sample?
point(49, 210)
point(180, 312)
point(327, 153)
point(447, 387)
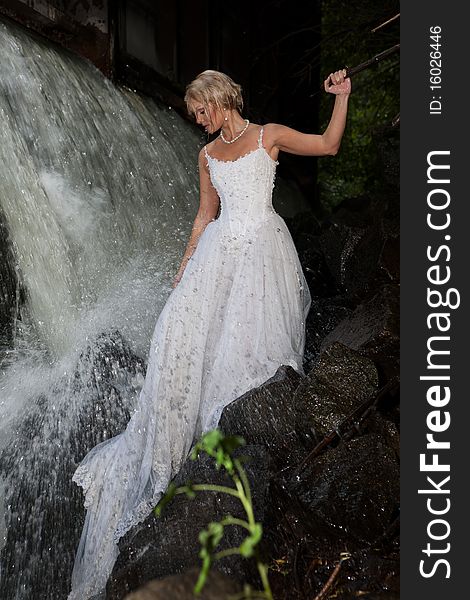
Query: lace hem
point(84, 479)
point(136, 516)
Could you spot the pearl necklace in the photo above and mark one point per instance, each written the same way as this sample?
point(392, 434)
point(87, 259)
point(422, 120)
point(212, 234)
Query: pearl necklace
point(236, 137)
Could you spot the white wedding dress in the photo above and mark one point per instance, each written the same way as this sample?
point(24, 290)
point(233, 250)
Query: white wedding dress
point(237, 314)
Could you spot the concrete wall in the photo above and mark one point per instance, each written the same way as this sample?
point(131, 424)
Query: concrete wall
point(82, 27)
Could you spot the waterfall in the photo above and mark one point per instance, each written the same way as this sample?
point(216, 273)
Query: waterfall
point(98, 189)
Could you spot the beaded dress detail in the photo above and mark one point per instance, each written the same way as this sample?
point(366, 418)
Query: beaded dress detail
point(237, 314)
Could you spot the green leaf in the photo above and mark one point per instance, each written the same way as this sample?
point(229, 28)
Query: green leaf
point(248, 545)
point(210, 537)
point(215, 444)
point(211, 440)
point(216, 531)
point(220, 457)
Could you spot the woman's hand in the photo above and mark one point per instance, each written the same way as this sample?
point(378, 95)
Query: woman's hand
point(180, 272)
point(337, 83)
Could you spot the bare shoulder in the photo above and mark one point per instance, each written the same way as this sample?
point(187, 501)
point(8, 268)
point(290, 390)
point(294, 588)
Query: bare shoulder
point(273, 133)
point(202, 159)
point(271, 130)
point(270, 139)
point(210, 145)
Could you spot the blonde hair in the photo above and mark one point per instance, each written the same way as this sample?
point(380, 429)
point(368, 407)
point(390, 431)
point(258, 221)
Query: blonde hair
point(214, 88)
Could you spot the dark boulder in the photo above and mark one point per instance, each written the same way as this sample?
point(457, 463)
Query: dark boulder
point(268, 415)
point(352, 489)
point(340, 381)
point(180, 587)
point(373, 330)
point(325, 314)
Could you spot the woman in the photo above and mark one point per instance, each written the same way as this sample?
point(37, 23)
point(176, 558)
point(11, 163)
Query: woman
point(205, 99)
point(236, 313)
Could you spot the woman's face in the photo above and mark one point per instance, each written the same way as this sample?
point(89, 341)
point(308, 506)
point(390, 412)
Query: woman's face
point(208, 117)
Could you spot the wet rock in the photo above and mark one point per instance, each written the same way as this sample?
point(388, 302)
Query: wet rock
point(373, 573)
point(386, 429)
point(325, 314)
point(267, 415)
point(306, 559)
point(363, 262)
point(169, 544)
point(180, 587)
point(340, 381)
point(352, 489)
point(355, 254)
point(375, 259)
point(373, 330)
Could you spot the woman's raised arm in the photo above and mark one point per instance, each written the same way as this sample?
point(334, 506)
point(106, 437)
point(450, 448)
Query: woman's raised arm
point(310, 144)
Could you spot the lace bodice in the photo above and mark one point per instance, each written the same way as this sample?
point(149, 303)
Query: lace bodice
point(245, 187)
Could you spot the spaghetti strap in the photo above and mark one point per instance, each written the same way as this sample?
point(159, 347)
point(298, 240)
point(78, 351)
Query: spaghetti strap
point(260, 139)
point(207, 156)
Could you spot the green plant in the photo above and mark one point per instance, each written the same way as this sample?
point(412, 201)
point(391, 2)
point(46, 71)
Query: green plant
point(221, 447)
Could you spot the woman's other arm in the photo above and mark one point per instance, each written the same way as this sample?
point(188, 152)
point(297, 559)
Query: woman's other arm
point(208, 208)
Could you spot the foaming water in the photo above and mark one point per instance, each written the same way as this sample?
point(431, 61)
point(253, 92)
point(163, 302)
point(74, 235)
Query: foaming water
point(98, 192)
